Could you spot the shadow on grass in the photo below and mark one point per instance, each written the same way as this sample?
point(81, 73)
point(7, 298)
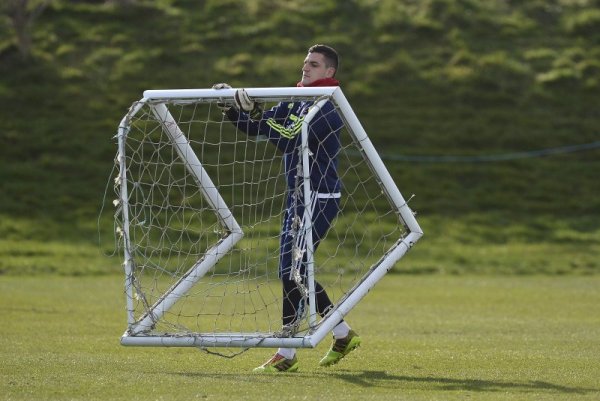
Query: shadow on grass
point(368, 378)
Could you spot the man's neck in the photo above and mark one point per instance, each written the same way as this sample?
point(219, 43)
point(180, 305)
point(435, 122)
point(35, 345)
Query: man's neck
point(321, 82)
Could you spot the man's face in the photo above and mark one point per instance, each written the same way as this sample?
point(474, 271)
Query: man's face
point(314, 69)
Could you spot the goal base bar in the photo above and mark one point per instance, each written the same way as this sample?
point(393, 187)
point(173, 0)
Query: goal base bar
point(266, 340)
point(237, 340)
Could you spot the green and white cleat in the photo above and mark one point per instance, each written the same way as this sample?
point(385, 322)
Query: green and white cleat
point(278, 364)
point(340, 348)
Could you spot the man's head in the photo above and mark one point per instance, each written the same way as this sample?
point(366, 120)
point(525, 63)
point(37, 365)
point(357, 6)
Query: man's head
point(321, 62)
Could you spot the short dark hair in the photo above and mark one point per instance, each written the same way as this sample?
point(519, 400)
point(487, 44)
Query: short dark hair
point(331, 56)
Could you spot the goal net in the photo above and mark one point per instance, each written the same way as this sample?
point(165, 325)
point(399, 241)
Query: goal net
point(200, 209)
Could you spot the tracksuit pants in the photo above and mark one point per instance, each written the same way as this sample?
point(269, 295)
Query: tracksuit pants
point(292, 261)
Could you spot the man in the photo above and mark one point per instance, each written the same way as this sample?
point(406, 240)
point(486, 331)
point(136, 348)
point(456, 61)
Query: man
point(282, 126)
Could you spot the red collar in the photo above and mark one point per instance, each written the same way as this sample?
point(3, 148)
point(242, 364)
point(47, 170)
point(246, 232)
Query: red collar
point(321, 82)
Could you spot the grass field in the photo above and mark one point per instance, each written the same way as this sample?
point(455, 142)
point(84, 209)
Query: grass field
point(499, 303)
point(430, 337)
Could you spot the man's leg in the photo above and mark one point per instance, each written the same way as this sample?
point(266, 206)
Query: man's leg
point(285, 359)
point(345, 339)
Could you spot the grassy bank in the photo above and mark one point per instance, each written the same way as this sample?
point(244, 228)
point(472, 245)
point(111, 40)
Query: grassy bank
point(474, 244)
point(464, 80)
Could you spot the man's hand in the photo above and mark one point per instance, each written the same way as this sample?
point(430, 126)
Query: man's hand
point(222, 105)
point(247, 104)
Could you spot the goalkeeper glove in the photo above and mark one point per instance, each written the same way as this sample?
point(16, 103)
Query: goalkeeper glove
point(223, 105)
point(247, 104)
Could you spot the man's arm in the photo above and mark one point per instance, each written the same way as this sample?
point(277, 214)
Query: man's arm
point(269, 124)
point(244, 123)
point(244, 113)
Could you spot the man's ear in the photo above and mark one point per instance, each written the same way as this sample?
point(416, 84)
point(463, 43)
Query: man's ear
point(330, 72)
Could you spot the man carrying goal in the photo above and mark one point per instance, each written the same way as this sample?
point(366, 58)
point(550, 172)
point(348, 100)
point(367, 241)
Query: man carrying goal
point(282, 126)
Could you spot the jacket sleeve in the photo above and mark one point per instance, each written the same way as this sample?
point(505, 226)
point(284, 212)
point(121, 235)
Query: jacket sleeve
point(271, 126)
point(242, 121)
point(325, 123)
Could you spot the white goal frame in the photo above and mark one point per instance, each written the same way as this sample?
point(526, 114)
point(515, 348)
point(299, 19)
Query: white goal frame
point(138, 332)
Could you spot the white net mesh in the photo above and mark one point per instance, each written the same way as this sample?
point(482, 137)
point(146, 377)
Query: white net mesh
point(171, 224)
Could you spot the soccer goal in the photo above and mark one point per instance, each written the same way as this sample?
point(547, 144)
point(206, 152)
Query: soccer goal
point(199, 212)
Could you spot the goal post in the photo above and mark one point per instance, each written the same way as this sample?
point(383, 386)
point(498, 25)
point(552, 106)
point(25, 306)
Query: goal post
point(200, 207)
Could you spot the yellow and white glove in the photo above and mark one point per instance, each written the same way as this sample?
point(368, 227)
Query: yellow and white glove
point(245, 103)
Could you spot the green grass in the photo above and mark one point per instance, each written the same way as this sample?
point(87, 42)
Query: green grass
point(472, 244)
point(424, 338)
point(433, 78)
